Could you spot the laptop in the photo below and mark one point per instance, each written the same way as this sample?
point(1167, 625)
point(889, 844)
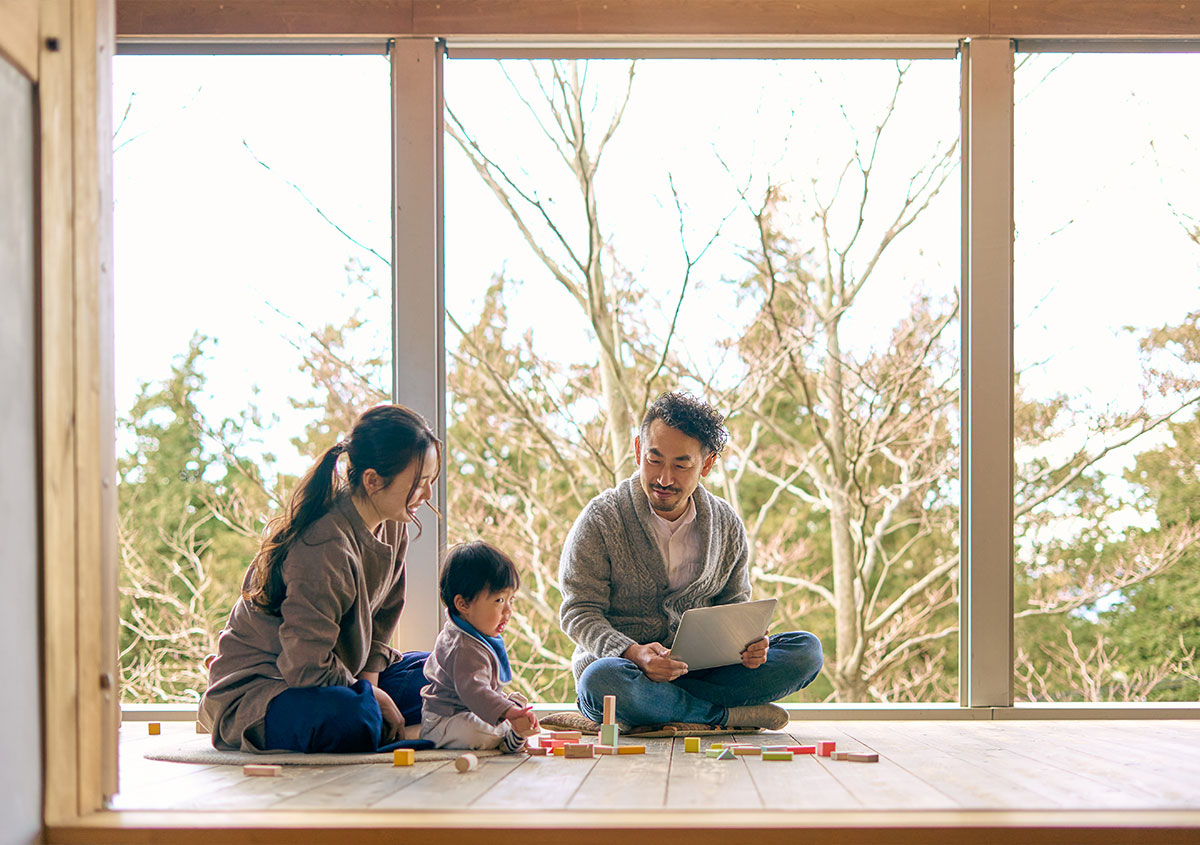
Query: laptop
point(716, 636)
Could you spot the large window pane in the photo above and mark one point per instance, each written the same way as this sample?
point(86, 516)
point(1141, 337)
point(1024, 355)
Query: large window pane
point(252, 319)
point(781, 237)
point(1107, 265)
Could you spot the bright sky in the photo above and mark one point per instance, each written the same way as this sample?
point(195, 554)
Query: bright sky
point(207, 239)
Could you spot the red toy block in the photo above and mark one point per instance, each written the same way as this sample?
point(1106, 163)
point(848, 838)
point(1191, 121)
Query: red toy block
point(802, 749)
point(826, 747)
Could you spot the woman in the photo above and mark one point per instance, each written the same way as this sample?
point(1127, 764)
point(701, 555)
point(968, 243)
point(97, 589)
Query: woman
point(304, 662)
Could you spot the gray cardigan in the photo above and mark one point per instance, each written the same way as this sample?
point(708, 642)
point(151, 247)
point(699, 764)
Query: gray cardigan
point(614, 580)
point(344, 593)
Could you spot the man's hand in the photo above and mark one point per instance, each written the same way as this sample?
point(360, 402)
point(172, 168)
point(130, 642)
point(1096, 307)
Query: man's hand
point(755, 654)
point(655, 661)
point(523, 722)
point(393, 722)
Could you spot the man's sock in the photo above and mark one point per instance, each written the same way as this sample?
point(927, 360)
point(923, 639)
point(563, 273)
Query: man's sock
point(511, 743)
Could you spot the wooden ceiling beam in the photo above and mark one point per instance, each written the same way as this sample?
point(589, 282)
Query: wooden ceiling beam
point(697, 19)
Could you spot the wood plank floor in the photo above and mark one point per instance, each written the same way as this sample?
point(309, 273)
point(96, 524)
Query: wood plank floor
point(962, 765)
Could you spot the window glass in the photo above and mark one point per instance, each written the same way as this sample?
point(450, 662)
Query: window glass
point(778, 237)
point(252, 319)
point(1107, 267)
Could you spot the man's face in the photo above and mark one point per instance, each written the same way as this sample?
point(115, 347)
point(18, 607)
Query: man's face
point(670, 466)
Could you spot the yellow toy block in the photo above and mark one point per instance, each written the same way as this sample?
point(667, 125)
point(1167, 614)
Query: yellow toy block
point(404, 757)
point(691, 744)
point(631, 749)
point(560, 751)
point(154, 728)
point(777, 755)
point(747, 751)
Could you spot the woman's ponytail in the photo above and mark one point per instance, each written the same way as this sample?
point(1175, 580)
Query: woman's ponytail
point(387, 439)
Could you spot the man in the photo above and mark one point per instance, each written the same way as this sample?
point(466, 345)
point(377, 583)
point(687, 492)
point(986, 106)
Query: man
point(644, 552)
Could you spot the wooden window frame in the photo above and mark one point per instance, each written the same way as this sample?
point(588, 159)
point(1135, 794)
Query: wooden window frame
point(74, 42)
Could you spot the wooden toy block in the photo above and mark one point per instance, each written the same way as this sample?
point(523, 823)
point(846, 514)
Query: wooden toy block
point(600, 748)
point(535, 750)
point(802, 749)
point(261, 770)
point(200, 729)
point(747, 751)
point(726, 754)
point(610, 709)
point(609, 735)
point(691, 744)
point(466, 763)
point(631, 749)
point(154, 728)
point(569, 736)
point(577, 750)
point(862, 756)
point(777, 755)
point(714, 752)
point(826, 747)
point(767, 748)
point(838, 755)
point(404, 757)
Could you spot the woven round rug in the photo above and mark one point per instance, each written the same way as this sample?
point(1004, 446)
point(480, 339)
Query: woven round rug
point(199, 749)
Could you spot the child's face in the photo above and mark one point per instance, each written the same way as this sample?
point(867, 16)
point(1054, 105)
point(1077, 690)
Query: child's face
point(488, 612)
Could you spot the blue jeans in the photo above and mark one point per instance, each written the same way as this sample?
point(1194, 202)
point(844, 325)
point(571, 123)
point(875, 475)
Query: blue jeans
point(704, 696)
point(336, 719)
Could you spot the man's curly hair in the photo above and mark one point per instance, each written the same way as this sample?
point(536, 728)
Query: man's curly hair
point(691, 415)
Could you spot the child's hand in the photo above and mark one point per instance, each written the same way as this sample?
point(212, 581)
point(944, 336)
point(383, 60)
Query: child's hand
point(523, 722)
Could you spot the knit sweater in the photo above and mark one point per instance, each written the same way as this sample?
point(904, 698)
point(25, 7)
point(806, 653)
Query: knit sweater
point(614, 580)
point(344, 590)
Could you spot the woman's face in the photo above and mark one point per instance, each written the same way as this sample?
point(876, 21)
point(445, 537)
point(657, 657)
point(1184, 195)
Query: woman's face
point(398, 500)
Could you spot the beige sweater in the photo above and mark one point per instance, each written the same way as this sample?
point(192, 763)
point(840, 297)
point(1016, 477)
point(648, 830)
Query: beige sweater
point(344, 593)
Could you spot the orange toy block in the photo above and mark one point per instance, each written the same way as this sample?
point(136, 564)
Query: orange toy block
point(404, 757)
point(559, 751)
point(610, 709)
point(826, 747)
point(631, 749)
point(154, 728)
point(261, 770)
point(577, 750)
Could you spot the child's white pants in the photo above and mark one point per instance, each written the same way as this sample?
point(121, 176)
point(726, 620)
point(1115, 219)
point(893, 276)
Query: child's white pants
point(462, 730)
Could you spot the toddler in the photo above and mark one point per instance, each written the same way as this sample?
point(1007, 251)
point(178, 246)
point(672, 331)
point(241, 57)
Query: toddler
point(464, 705)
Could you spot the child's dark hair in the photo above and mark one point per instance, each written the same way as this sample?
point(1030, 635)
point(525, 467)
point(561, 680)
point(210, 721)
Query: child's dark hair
point(470, 568)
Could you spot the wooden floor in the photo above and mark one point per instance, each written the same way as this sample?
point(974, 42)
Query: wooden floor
point(987, 765)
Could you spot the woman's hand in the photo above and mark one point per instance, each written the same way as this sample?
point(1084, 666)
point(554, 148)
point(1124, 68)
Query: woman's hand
point(655, 661)
point(393, 722)
point(755, 654)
